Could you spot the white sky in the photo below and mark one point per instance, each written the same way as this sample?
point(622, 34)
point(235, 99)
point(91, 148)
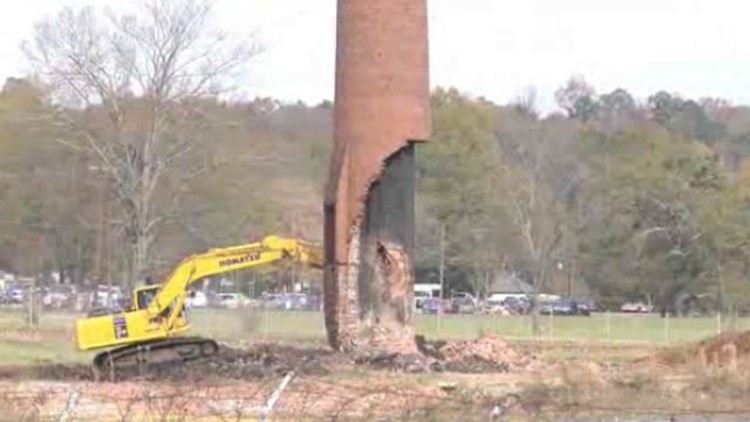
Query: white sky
point(492, 48)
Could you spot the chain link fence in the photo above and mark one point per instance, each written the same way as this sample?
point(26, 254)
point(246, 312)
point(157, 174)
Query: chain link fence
point(602, 327)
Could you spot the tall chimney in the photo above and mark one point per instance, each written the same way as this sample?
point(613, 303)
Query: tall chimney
point(381, 112)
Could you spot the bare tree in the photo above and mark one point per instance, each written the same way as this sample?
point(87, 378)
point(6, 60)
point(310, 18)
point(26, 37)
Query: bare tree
point(578, 98)
point(127, 86)
point(539, 178)
point(527, 102)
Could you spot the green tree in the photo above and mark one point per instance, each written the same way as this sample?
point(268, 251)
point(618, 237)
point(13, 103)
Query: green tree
point(456, 189)
point(685, 117)
point(617, 111)
point(578, 98)
point(642, 235)
point(48, 191)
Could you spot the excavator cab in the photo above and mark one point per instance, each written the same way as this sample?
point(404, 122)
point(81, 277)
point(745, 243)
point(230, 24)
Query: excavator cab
point(142, 296)
point(133, 324)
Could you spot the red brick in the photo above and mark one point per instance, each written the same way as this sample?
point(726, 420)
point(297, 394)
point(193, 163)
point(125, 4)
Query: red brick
point(382, 103)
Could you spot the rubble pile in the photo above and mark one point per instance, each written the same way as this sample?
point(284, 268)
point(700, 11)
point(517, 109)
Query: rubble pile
point(266, 361)
point(258, 362)
point(409, 363)
point(488, 353)
point(485, 355)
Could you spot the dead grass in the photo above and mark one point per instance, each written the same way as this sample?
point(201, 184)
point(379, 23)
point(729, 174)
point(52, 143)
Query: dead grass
point(572, 390)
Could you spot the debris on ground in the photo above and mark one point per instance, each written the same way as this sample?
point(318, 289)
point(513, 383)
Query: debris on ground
point(263, 361)
point(483, 355)
point(489, 353)
point(409, 363)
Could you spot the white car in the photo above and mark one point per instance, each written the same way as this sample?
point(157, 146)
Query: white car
point(108, 297)
point(637, 307)
point(197, 300)
point(233, 300)
point(419, 298)
point(467, 297)
point(495, 307)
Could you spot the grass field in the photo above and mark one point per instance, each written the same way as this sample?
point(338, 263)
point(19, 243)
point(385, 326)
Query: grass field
point(600, 327)
point(52, 342)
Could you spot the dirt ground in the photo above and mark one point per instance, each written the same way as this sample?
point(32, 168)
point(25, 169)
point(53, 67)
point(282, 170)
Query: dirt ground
point(484, 379)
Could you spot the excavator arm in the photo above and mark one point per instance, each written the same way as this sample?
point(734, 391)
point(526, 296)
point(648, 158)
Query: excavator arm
point(161, 317)
point(171, 297)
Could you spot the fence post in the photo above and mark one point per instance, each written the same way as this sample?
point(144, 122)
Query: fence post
point(551, 323)
point(442, 278)
point(271, 403)
point(609, 328)
point(69, 407)
point(718, 323)
point(268, 320)
point(438, 319)
point(666, 327)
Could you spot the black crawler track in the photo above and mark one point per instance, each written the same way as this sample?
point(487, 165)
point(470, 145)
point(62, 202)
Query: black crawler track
point(185, 348)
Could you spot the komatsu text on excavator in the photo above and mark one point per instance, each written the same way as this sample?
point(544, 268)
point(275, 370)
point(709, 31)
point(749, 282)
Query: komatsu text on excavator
point(157, 319)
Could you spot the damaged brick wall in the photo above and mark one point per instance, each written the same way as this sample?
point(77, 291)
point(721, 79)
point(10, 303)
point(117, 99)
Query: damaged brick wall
point(381, 110)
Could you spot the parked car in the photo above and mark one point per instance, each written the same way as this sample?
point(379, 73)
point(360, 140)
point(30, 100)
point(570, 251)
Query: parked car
point(517, 305)
point(464, 303)
point(14, 295)
point(233, 300)
point(419, 298)
point(57, 296)
point(213, 300)
point(465, 296)
point(495, 307)
point(564, 307)
point(463, 306)
point(636, 307)
point(271, 300)
point(197, 299)
point(293, 301)
point(107, 296)
point(431, 306)
point(315, 302)
point(589, 305)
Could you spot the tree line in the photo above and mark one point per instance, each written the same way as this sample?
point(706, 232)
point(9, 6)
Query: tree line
point(124, 151)
point(613, 198)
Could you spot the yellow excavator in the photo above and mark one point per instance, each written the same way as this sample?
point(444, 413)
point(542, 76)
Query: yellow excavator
point(156, 321)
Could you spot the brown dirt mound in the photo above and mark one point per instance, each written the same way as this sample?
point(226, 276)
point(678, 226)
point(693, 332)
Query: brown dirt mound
point(488, 354)
point(722, 350)
point(488, 349)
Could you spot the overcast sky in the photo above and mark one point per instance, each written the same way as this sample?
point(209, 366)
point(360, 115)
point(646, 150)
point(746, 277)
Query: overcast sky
point(491, 48)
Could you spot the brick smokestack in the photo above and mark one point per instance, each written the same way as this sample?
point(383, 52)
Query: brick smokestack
point(381, 111)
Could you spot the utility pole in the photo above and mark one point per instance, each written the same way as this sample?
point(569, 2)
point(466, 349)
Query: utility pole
point(442, 272)
point(571, 276)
